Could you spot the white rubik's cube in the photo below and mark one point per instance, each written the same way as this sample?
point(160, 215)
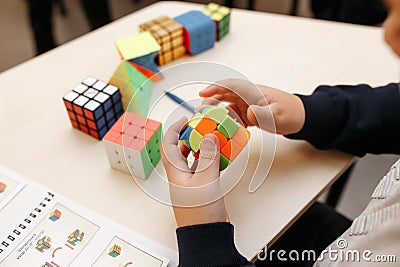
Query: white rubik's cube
point(133, 144)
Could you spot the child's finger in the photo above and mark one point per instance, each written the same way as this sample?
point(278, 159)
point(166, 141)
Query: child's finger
point(262, 117)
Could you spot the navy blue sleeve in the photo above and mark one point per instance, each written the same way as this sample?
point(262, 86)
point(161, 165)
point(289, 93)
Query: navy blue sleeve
point(355, 119)
point(208, 245)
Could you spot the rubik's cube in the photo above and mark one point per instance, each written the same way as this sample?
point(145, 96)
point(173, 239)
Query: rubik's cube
point(55, 215)
point(114, 251)
point(75, 237)
point(199, 31)
point(140, 50)
point(43, 244)
point(231, 135)
point(2, 187)
point(47, 265)
point(169, 35)
point(221, 16)
point(93, 106)
point(133, 145)
point(135, 88)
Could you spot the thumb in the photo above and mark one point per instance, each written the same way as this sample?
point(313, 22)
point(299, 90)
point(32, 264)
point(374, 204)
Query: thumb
point(208, 163)
point(262, 117)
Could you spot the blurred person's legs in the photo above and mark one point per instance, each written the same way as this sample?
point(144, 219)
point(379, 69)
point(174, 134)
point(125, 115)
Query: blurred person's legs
point(97, 12)
point(366, 12)
point(41, 18)
point(315, 230)
point(41, 15)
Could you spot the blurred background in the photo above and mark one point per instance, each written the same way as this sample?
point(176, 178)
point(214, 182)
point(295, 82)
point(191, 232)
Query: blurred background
point(18, 43)
point(31, 27)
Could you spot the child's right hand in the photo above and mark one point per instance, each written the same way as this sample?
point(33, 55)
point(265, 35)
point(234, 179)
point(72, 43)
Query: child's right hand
point(286, 114)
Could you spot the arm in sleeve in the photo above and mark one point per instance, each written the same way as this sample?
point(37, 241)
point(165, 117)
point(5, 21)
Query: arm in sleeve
point(355, 119)
point(209, 245)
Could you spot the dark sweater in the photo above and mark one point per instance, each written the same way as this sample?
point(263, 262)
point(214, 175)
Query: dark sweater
point(355, 119)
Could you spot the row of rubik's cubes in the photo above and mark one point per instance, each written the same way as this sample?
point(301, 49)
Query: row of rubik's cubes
point(96, 108)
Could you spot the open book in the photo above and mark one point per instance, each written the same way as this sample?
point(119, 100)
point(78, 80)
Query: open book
point(41, 228)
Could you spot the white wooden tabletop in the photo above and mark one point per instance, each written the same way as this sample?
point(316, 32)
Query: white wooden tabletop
point(289, 53)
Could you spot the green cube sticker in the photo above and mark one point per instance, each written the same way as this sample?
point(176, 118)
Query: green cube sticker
point(194, 140)
point(218, 114)
point(223, 162)
point(228, 127)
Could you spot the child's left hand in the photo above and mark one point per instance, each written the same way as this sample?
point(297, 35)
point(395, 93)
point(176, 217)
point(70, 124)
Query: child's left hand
point(195, 194)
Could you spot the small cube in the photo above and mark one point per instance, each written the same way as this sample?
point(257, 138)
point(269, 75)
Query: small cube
point(199, 31)
point(232, 136)
point(169, 35)
point(75, 237)
point(55, 215)
point(93, 106)
point(221, 16)
point(114, 251)
point(3, 187)
point(43, 244)
point(133, 144)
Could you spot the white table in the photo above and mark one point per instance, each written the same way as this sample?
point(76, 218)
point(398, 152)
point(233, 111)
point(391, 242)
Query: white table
point(293, 54)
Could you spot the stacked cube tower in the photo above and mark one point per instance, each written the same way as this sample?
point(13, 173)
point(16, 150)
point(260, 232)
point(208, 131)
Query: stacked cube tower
point(93, 106)
point(199, 31)
point(169, 35)
point(133, 145)
point(114, 251)
point(221, 16)
point(231, 135)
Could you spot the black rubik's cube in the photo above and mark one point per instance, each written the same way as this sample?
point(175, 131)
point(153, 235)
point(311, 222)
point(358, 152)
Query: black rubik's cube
point(93, 106)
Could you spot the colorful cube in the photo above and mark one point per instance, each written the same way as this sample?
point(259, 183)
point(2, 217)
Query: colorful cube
point(43, 244)
point(114, 251)
point(93, 107)
point(232, 136)
point(221, 16)
point(55, 215)
point(199, 31)
point(133, 145)
point(135, 88)
point(169, 35)
point(75, 237)
point(140, 50)
point(3, 187)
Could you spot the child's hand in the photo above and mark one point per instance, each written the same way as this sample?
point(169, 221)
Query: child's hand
point(195, 193)
point(251, 104)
